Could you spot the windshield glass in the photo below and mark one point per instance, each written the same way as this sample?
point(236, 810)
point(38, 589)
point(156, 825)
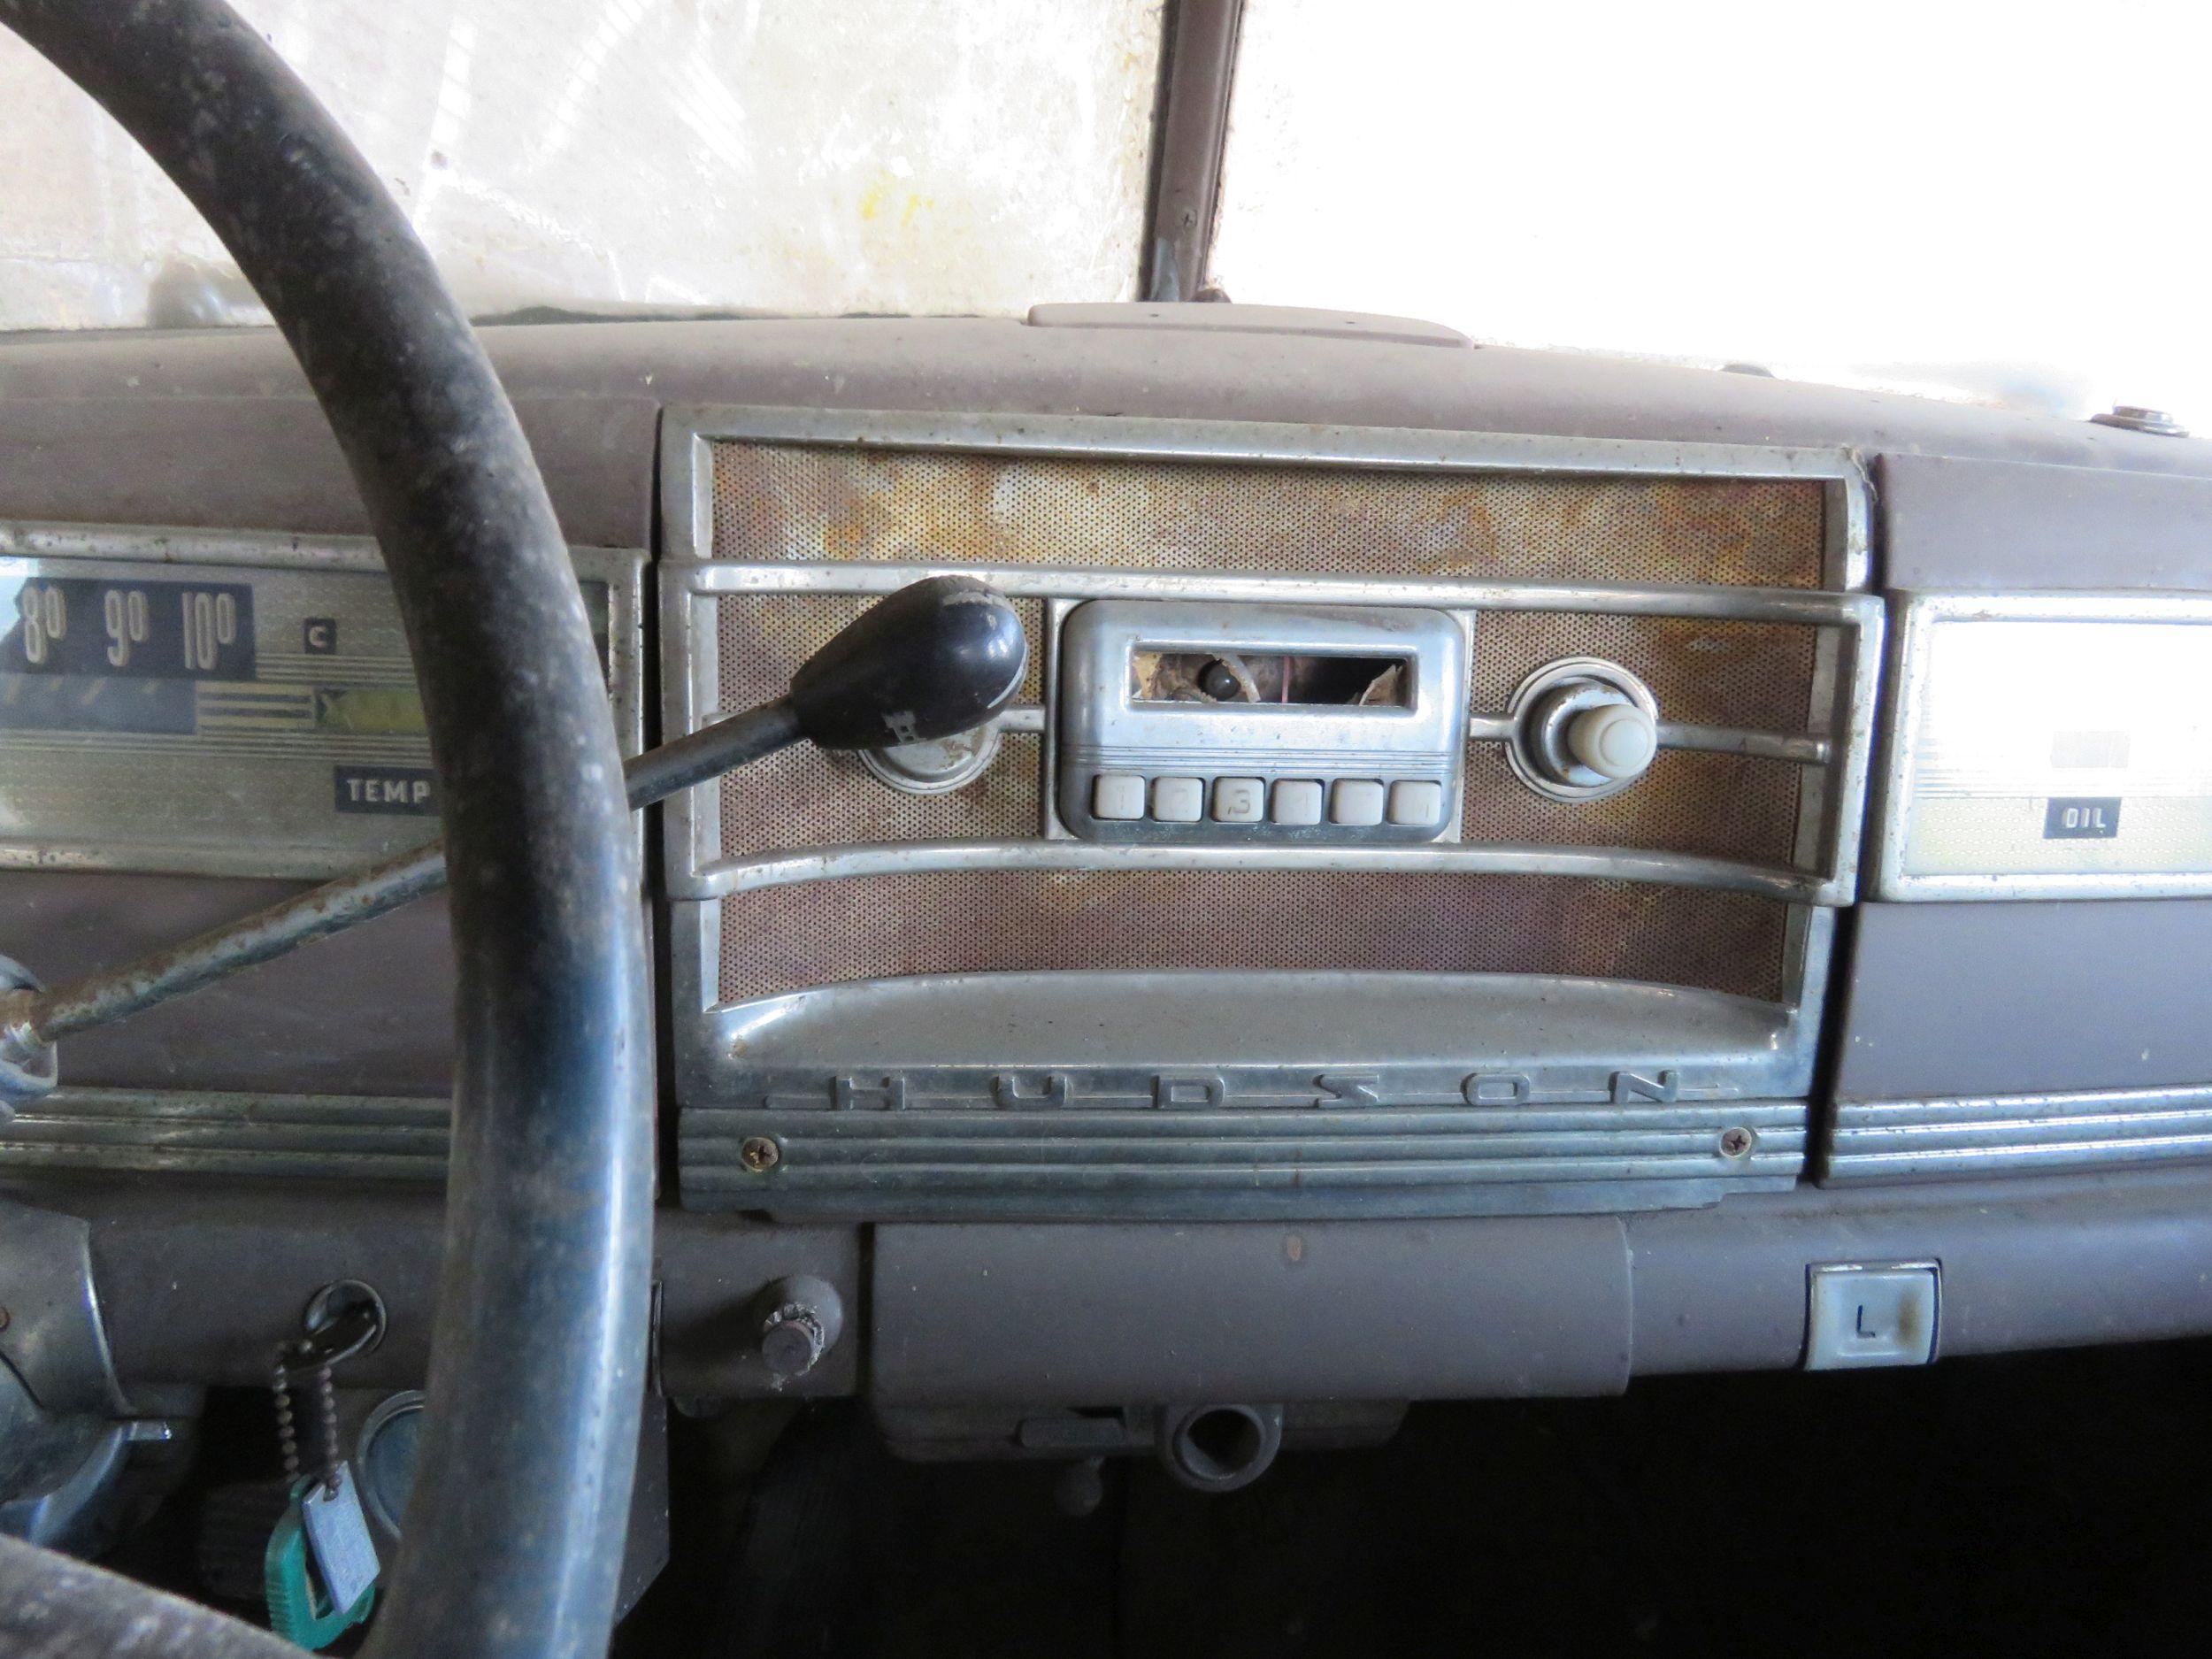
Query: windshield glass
point(1981, 201)
point(619, 156)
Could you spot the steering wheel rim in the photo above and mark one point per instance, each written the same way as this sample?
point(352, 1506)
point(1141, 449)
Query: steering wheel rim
point(512, 1545)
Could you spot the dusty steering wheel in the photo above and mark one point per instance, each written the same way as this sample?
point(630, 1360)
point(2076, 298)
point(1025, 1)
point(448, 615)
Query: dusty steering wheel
point(513, 1541)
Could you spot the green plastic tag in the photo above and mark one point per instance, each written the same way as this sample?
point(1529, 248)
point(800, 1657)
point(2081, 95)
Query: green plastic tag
point(299, 1610)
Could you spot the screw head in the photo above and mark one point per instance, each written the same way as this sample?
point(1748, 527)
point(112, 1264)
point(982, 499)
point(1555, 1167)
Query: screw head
point(759, 1154)
point(2135, 417)
point(1734, 1143)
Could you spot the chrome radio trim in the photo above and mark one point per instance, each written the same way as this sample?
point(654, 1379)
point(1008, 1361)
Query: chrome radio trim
point(1907, 673)
point(1845, 675)
point(92, 549)
point(1104, 727)
point(1675, 1046)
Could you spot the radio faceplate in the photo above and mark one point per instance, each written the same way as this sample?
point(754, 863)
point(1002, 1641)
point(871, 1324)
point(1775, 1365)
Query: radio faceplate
point(963, 1003)
point(1149, 754)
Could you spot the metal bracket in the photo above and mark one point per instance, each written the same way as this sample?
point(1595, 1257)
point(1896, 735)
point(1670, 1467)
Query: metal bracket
point(53, 1338)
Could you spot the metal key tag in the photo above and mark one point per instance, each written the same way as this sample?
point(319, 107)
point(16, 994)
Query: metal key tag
point(338, 1541)
point(294, 1571)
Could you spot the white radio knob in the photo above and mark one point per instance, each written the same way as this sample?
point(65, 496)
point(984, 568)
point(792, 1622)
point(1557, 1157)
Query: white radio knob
point(1616, 740)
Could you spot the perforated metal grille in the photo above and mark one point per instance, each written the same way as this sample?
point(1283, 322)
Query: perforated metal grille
point(778, 938)
point(1722, 806)
point(1752, 675)
point(784, 502)
point(778, 502)
point(1708, 674)
point(761, 639)
point(802, 797)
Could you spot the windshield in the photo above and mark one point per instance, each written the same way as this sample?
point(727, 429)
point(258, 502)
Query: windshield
point(1977, 201)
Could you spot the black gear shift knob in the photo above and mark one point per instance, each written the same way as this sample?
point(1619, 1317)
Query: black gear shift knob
point(933, 659)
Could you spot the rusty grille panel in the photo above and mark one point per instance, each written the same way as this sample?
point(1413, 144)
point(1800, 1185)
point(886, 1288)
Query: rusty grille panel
point(781, 939)
point(1752, 675)
point(808, 503)
point(761, 640)
point(1704, 672)
point(802, 797)
point(1722, 806)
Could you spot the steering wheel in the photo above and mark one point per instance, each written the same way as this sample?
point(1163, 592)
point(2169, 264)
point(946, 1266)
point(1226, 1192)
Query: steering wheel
point(514, 1539)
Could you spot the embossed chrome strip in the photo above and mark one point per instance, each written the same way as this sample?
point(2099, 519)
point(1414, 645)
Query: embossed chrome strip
point(1164, 1162)
point(1803, 607)
point(290, 1137)
point(1921, 1140)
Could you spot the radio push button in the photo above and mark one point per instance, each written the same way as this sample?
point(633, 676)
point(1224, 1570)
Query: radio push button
point(1239, 800)
point(1117, 794)
point(1178, 800)
point(1357, 802)
point(1297, 802)
point(1415, 801)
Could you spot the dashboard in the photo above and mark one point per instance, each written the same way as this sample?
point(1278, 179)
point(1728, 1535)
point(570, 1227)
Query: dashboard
point(1508, 871)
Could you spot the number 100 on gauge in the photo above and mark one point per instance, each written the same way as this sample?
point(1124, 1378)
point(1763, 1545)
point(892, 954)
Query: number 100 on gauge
point(154, 630)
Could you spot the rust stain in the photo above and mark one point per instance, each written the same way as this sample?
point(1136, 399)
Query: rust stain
point(784, 501)
point(795, 502)
point(1000, 921)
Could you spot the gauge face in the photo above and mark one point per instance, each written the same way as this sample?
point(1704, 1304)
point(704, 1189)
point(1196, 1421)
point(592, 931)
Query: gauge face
point(2052, 747)
point(257, 717)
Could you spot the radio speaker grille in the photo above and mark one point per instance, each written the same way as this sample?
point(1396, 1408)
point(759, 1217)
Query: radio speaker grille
point(1752, 675)
point(1723, 806)
point(1720, 806)
point(781, 939)
point(777, 502)
point(802, 797)
point(790, 502)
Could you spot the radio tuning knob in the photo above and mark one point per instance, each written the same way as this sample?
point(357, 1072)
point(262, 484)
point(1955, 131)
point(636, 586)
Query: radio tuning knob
point(1616, 740)
point(1582, 728)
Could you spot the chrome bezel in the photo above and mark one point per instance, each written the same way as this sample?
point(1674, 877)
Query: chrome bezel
point(1907, 674)
point(1533, 754)
point(105, 550)
point(1834, 754)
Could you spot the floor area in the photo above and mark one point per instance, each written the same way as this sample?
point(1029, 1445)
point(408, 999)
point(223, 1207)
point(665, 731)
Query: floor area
point(2052, 1504)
